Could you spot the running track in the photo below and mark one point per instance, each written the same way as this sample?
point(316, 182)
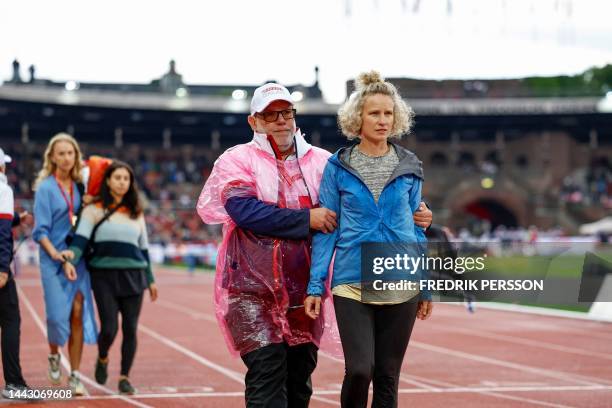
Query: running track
point(489, 359)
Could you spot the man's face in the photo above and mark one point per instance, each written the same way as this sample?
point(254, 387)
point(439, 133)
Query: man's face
point(280, 129)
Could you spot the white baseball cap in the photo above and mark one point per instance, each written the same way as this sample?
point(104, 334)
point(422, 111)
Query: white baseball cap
point(4, 158)
point(268, 93)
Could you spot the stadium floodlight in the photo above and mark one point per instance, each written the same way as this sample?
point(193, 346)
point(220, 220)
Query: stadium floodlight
point(487, 183)
point(72, 86)
point(297, 96)
point(605, 104)
point(239, 94)
point(181, 92)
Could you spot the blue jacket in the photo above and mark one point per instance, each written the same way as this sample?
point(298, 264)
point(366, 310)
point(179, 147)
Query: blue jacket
point(361, 219)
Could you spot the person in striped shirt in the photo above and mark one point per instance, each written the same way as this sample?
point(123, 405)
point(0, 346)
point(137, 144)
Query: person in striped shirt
point(113, 226)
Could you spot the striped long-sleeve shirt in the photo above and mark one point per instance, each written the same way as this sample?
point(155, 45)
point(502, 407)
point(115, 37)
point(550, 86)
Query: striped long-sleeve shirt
point(121, 242)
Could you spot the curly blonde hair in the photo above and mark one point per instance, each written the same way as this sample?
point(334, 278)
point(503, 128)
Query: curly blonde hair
point(49, 167)
point(372, 83)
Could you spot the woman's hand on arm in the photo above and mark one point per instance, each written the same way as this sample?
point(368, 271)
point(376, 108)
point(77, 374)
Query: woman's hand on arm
point(312, 306)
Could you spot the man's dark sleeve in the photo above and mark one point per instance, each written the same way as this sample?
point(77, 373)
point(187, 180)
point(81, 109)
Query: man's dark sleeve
point(16, 220)
point(6, 241)
point(268, 219)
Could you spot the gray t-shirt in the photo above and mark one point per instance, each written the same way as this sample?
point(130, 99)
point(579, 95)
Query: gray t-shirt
point(375, 171)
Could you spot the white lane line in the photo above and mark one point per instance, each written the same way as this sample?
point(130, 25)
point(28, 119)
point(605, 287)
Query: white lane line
point(402, 378)
point(494, 392)
point(548, 388)
point(423, 387)
point(581, 326)
point(208, 317)
point(194, 315)
point(418, 382)
point(454, 390)
point(520, 399)
point(422, 384)
point(317, 396)
point(523, 341)
point(231, 394)
point(64, 360)
point(559, 375)
point(558, 321)
point(234, 375)
point(542, 311)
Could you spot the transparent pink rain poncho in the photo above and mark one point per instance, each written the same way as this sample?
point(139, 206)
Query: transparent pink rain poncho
point(261, 281)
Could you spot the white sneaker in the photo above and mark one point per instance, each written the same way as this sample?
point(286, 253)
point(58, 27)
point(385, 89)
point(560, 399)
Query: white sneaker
point(54, 373)
point(77, 387)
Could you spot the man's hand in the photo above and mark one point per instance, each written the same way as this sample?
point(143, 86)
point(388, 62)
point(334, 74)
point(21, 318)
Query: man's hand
point(3, 279)
point(423, 216)
point(322, 219)
point(425, 309)
point(312, 306)
point(153, 292)
point(25, 218)
point(70, 271)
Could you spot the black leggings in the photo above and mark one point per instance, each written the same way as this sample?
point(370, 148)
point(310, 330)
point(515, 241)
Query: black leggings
point(374, 339)
point(109, 307)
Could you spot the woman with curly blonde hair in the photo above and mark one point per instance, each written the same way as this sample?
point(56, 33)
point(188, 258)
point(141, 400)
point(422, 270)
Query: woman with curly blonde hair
point(375, 188)
point(68, 305)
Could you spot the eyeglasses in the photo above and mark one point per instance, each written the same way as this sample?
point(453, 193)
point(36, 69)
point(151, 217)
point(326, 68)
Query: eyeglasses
point(272, 116)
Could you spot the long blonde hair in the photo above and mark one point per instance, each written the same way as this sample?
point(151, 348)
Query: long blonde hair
point(49, 167)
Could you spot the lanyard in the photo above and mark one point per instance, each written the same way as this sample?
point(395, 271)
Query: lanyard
point(282, 173)
point(69, 203)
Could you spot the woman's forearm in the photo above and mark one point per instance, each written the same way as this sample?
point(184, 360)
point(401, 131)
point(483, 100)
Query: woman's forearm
point(48, 247)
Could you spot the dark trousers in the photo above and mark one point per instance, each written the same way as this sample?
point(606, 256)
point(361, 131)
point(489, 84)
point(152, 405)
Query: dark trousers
point(109, 307)
point(374, 339)
point(10, 323)
point(278, 376)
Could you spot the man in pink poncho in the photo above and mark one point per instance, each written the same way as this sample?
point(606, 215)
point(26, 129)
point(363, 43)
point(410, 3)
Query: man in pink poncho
point(265, 192)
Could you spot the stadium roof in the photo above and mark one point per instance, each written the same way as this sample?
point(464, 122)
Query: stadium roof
point(204, 103)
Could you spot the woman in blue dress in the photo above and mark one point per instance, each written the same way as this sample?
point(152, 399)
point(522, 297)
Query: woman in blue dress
point(68, 305)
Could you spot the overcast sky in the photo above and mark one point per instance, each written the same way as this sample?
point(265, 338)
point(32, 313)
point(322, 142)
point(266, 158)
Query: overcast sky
point(249, 42)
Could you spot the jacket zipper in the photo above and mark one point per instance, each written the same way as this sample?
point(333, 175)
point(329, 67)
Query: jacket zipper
point(354, 172)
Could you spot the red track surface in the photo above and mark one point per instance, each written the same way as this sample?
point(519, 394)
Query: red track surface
point(488, 359)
